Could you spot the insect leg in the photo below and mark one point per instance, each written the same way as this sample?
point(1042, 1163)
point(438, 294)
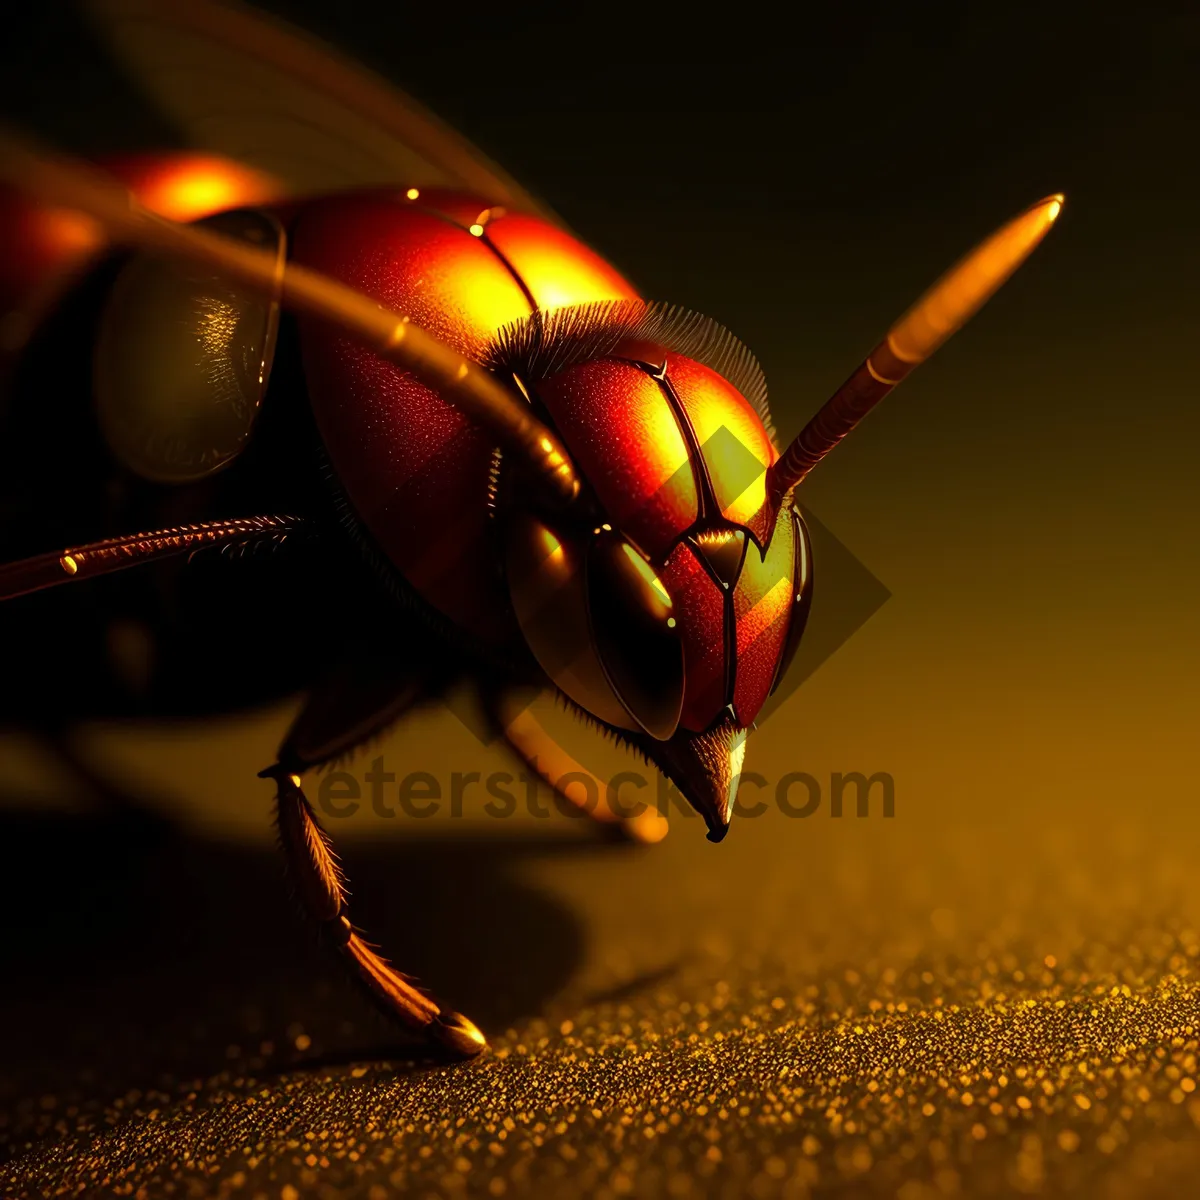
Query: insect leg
point(120, 553)
point(321, 884)
point(533, 745)
point(339, 717)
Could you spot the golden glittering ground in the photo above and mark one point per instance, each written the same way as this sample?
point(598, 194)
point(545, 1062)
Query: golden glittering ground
point(867, 1007)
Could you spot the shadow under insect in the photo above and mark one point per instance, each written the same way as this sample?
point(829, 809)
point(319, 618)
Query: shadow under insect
point(141, 958)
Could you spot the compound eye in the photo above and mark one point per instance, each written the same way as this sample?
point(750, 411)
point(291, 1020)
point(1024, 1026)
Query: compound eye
point(801, 597)
point(546, 584)
point(635, 634)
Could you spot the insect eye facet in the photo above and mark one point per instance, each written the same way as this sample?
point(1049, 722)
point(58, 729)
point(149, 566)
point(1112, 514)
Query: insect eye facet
point(801, 598)
point(635, 633)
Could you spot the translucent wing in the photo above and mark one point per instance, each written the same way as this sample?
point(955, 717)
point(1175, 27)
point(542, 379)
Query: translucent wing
point(255, 90)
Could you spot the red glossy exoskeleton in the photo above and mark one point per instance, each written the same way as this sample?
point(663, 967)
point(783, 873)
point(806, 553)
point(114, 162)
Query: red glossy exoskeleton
point(566, 484)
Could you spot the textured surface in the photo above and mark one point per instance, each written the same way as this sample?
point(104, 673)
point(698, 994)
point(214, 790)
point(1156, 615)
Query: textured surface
point(864, 1006)
point(413, 468)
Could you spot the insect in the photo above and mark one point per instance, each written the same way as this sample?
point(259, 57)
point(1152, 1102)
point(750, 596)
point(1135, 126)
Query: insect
point(552, 478)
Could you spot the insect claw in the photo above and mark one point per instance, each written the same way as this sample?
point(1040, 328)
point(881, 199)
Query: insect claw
point(457, 1034)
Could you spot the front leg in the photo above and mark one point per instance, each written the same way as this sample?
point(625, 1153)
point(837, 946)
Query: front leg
point(529, 740)
point(351, 709)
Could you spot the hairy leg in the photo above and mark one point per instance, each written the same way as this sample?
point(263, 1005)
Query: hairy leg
point(362, 702)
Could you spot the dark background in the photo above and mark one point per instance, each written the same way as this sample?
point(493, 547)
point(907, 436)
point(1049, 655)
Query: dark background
point(1030, 499)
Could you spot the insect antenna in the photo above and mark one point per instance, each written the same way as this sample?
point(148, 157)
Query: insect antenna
point(935, 317)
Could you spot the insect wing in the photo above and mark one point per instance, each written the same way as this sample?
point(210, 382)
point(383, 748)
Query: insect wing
point(254, 90)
